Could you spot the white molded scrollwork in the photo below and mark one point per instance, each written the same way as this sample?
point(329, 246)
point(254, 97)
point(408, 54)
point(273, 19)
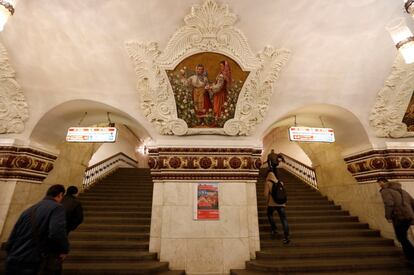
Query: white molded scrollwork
point(157, 99)
point(208, 28)
point(13, 106)
point(256, 94)
point(392, 102)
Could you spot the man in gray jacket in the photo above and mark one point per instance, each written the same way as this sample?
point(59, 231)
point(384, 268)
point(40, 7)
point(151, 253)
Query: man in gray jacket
point(399, 211)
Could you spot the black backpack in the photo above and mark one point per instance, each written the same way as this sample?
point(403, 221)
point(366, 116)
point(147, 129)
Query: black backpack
point(278, 192)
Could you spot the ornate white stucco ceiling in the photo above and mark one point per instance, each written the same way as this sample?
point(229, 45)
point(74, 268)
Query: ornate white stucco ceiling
point(62, 50)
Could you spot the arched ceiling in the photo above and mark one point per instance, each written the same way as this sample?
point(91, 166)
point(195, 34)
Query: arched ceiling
point(62, 50)
point(51, 129)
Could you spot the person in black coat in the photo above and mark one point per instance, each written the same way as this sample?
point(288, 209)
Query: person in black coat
point(73, 207)
point(39, 236)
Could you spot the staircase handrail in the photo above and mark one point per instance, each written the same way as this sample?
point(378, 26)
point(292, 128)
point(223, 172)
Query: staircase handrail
point(301, 170)
point(105, 167)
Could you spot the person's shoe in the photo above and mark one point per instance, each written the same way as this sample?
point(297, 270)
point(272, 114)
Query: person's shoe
point(273, 234)
point(286, 240)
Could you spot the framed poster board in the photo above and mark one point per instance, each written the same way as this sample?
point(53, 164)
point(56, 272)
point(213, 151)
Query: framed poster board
point(206, 201)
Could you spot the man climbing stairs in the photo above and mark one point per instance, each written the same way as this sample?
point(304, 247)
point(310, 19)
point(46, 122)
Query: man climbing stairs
point(324, 239)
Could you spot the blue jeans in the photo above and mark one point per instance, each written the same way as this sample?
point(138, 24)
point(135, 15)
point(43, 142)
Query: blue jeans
point(282, 215)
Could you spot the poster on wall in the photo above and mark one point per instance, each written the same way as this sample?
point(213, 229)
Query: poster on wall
point(206, 203)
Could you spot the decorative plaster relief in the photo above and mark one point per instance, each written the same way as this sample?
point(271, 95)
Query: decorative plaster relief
point(209, 28)
point(204, 163)
point(13, 106)
point(392, 101)
point(24, 163)
point(391, 164)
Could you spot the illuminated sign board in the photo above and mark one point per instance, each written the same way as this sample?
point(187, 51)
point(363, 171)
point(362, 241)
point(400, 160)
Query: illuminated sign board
point(311, 134)
point(91, 134)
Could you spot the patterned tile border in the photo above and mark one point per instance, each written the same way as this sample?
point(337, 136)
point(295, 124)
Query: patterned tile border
point(204, 163)
point(24, 163)
point(391, 164)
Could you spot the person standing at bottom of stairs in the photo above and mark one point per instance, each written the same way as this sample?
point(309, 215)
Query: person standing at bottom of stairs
point(399, 211)
point(272, 206)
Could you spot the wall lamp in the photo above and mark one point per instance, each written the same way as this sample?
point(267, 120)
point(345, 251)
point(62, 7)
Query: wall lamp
point(6, 10)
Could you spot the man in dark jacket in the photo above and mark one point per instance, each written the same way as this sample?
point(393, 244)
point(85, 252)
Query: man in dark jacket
point(399, 211)
point(39, 234)
point(73, 207)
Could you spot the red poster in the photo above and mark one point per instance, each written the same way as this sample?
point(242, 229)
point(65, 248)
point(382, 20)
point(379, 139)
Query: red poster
point(207, 207)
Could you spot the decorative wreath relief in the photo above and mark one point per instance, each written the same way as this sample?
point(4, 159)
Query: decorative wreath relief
point(207, 80)
point(393, 105)
point(13, 106)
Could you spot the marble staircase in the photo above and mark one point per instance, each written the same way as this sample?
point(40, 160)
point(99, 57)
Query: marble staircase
point(114, 238)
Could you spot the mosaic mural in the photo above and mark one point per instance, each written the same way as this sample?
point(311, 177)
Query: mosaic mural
point(206, 88)
point(408, 118)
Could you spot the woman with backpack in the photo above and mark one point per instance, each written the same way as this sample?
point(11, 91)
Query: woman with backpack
point(275, 194)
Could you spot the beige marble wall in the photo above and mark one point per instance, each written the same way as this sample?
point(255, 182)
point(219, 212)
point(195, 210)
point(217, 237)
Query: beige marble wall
point(334, 181)
point(6, 194)
point(204, 247)
point(73, 159)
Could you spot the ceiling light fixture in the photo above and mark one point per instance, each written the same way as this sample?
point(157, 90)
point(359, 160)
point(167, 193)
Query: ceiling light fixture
point(409, 7)
point(6, 10)
point(403, 38)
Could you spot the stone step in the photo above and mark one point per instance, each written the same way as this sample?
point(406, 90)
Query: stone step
point(122, 208)
point(143, 267)
point(327, 252)
point(320, 213)
point(116, 188)
point(109, 245)
point(298, 199)
point(314, 219)
point(112, 199)
point(118, 220)
point(317, 233)
point(309, 226)
point(103, 236)
point(338, 264)
point(300, 202)
point(118, 194)
point(109, 256)
point(402, 271)
point(113, 228)
point(305, 207)
point(88, 203)
point(135, 214)
point(328, 241)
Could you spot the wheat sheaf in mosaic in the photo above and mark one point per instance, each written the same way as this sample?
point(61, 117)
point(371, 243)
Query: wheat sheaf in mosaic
point(391, 164)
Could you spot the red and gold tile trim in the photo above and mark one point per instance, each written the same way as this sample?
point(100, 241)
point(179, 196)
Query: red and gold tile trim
point(24, 163)
point(204, 163)
point(391, 164)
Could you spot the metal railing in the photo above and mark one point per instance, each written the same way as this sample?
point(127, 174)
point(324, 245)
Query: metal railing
point(302, 171)
point(106, 167)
